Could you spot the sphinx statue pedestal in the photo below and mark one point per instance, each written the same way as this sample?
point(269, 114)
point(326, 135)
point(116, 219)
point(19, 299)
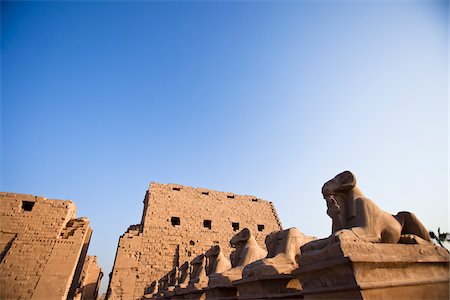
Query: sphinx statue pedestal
point(189, 294)
point(274, 286)
point(222, 292)
point(362, 270)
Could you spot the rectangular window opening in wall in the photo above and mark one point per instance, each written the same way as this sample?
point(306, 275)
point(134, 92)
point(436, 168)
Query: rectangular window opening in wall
point(175, 221)
point(260, 227)
point(255, 200)
point(176, 188)
point(230, 196)
point(205, 193)
point(27, 205)
point(235, 226)
point(207, 224)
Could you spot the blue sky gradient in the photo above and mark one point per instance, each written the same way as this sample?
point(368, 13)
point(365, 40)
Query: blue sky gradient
point(264, 98)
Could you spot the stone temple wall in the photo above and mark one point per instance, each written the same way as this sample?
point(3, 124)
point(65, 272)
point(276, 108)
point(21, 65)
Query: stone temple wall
point(179, 223)
point(90, 278)
point(42, 247)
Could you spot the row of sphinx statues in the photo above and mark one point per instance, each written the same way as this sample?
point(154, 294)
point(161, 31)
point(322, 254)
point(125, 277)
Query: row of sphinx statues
point(214, 270)
point(354, 218)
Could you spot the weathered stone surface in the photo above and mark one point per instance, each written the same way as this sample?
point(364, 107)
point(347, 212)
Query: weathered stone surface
point(281, 286)
point(178, 224)
point(216, 261)
point(198, 274)
point(184, 273)
point(283, 249)
point(89, 283)
point(270, 277)
point(351, 211)
point(43, 247)
point(168, 283)
point(370, 253)
point(246, 251)
point(354, 269)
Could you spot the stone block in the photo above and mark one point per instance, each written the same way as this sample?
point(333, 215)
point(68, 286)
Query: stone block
point(357, 270)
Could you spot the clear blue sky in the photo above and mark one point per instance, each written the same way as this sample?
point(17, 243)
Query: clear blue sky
point(264, 98)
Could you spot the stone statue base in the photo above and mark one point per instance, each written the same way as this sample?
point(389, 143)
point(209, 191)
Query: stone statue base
point(168, 294)
point(192, 291)
point(221, 292)
point(361, 270)
point(269, 287)
point(189, 294)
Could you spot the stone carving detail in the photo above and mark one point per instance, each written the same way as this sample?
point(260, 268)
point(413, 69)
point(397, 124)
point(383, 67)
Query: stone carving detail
point(198, 273)
point(247, 251)
point(152, 289)
point(283, 249)
point(216, 262)
point(172, 279)
point(163, 283)
point(183, 275)
point(363, 270)
point(356, 217)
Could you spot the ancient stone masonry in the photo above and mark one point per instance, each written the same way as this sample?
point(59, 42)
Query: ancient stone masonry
point(89, 282)
point(178, 224)
point(370, 254)
point(196, 243)
point(43, 247)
